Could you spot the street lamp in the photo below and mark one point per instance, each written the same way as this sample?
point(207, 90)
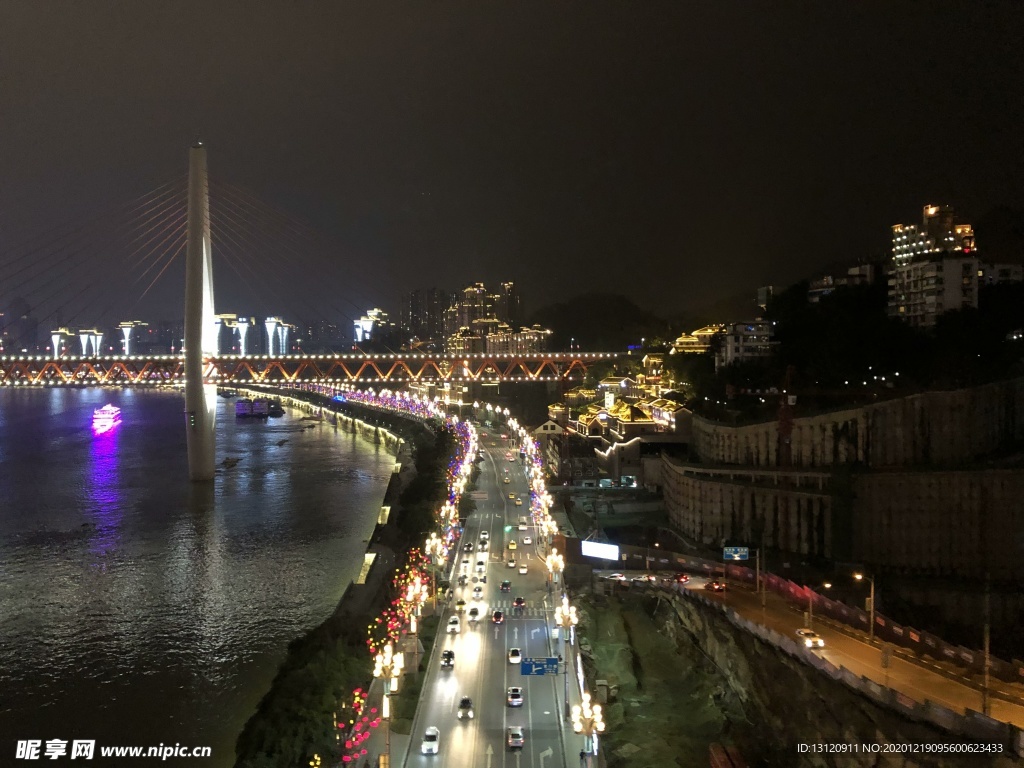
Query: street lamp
point(810, 604)
point(415, 596)
point(871, 604)
point(548, 527)
point(435, 551)
point(588, 721)
point(566, 619)
point(388, 666)
point(556, 564)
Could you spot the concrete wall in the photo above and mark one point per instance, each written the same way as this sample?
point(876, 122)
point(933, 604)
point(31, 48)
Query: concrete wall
point(791, 510)
point(941, 523)
point(929, 429)
point(938, 523)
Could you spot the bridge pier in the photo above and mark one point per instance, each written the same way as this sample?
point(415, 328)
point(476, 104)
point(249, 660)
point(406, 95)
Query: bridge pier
point(200, 328)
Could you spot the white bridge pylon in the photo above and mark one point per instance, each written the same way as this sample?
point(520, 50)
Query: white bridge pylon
point(200, 324)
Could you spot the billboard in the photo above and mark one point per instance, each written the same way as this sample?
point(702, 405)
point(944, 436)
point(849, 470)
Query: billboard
point(600, 551)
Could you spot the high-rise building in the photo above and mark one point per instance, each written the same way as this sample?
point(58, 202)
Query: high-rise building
point(422, 316)
point(507, 305)
point(938, 233)
point(934, 267)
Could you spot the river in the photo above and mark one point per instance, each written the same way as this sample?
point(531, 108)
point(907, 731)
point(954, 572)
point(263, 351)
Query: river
point(139, 609)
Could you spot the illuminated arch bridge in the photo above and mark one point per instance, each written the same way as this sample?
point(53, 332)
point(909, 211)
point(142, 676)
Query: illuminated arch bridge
point(145, 370)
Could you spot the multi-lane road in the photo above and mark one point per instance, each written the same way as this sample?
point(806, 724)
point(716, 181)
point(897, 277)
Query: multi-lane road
point(482, 670)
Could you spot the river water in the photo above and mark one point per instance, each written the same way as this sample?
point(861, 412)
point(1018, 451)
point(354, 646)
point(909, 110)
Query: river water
point(139, 609)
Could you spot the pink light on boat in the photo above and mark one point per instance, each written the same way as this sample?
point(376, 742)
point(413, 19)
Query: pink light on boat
point(105, 419)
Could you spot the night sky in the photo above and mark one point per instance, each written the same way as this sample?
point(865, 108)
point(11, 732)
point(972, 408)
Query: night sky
point(677, 152)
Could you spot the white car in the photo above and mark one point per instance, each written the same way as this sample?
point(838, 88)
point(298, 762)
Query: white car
point(431, 741)
point(515, 656)
point(485, 535)
point(481, 566)
point(478, 592)
point(454, 625)
point(523, 569)
point(811, 638)
point(527, 540)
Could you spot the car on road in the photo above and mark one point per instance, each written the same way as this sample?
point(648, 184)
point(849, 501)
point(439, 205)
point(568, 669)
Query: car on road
point(485, 535)
point(682, 578)
point(481, 566)
point(474, 614)
point(715, 586)
point(498, 617)
point(431, 741)
point(467, 547)
point(454, 625)
point(463, 580)
point(810, 638)
point(465, 563)
point(514, 737)
point(483, 546)
point(511, 562)
point(465, 711)
point(478, 592)
point(512, 544)
point(506, 481)
point(515, 656)
point(519, 502)
point(645, 579)
point(515, 696)
point(522, 524)
point(527, 540)
point(519, 602)
point(447, 659)
point(511, 495)
point(506, 586)
point(616, 577)
point(523, 569)
point(460, 605)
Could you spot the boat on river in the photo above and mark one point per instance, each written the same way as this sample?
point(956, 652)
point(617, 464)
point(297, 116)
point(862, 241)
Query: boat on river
point(105, 419)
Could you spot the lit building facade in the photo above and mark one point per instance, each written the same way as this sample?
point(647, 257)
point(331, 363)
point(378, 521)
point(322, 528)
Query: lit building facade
point(696, 343)
point(753, 340)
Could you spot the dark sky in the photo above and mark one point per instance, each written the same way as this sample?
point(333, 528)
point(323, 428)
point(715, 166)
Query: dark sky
point(675, 151)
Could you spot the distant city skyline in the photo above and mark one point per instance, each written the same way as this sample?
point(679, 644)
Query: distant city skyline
point(676, 152)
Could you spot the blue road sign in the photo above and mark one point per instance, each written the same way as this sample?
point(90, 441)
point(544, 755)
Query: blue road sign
point(736, 553)
point(542, 665)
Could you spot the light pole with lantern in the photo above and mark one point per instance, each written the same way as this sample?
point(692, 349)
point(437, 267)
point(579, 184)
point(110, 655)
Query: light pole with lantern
point(588, 721)
point(556, 564)
point(434, 549)
point(566, 619)
point(388, 667)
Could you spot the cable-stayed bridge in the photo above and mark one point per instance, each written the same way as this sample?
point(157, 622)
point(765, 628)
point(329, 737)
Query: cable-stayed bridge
point(64, 272)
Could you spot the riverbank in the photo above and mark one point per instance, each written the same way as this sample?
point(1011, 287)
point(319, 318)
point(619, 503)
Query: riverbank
point(299, 715)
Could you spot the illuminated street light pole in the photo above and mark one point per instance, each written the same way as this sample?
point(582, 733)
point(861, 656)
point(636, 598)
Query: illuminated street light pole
point(871, 606)
point(435, 550)
point(810, 604)
point(388, 666)
point(588, 721)
point(566, 619)
point(556, 564)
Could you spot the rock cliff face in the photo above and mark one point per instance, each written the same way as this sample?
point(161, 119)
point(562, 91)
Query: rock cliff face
point(792, 704)
point(676, 677)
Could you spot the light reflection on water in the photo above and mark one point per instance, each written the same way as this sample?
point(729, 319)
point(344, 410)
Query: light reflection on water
point(138, 608)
